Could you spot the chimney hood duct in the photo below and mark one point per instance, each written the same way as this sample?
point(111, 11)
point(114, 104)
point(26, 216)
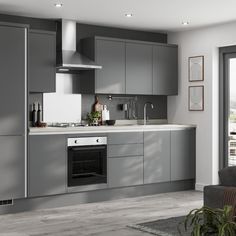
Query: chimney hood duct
point(67, 56)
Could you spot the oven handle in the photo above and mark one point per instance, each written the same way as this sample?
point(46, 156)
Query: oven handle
point(83, 148)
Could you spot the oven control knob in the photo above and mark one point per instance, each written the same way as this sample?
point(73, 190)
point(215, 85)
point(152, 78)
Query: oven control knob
point(97, 140)
point(76, 141)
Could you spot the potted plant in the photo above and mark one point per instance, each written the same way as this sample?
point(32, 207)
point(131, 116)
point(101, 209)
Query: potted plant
point(94, 117)
point(208, 221)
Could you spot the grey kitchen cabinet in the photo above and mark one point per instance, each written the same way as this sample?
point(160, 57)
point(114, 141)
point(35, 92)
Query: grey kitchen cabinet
point(182, 154)
point(13, 84)
point(165, 70)
point(13, 80)
point(125, 159)
point(138, 68)
point(130, 67)
point(12, 167)
point(47, 165)
point(156, 157)
point(110, 55)
point(125, 138)
point(42, 61)
point(125, 171)
point(125, 150)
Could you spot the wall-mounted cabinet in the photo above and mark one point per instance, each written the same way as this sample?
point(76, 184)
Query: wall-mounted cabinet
point(138, 68)
point(132, 67)
point(165, 70)
point(42, 61)
point(111, 78)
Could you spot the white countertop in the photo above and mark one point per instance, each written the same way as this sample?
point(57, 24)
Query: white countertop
point(107, 129)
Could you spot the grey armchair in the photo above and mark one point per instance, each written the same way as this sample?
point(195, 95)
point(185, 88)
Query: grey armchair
point(214, 195)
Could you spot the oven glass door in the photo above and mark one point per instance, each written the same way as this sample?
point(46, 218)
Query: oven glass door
point(87, 165)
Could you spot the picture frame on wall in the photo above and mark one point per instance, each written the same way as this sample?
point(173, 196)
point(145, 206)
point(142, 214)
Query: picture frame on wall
point(196, 68)
point(196, 98)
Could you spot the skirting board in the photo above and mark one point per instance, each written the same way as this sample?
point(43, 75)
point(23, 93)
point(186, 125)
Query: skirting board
point(29, 204)
point(199, 187)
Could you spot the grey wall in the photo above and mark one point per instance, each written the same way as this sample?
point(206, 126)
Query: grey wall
point(86, 31)
point(34, 23)
point(159, 102)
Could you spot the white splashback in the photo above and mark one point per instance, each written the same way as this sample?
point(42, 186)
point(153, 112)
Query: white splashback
point(62, 106)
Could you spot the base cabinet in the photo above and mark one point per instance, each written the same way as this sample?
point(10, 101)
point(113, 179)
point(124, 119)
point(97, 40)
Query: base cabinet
point(156, 157)
point(47, 165)
point(183, 154)
point(125, 171)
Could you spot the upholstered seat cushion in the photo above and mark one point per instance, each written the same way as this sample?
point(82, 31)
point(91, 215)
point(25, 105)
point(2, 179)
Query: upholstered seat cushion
point(228, 176)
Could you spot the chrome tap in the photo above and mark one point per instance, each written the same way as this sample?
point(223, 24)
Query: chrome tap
point(145, 111)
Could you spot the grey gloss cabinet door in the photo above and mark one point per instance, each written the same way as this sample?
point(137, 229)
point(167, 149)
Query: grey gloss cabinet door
point(138, 68)
point(42, 61)
point(12, 167)
point(12, 80)
point(125, 171)
point(111, 56)
point(165, 70)
point(156, 157)
point(182, 154)
point(47, 165)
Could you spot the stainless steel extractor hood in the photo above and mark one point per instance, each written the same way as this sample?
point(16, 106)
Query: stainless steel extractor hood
point(67, 56)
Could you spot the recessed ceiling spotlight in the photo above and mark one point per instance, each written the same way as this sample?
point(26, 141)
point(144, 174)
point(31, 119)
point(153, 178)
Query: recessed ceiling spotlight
point(58, 5)
point(128, 15)
point(185, 23)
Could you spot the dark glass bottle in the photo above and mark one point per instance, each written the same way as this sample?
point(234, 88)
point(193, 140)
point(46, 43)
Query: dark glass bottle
point(39, 115)
point(34, 116)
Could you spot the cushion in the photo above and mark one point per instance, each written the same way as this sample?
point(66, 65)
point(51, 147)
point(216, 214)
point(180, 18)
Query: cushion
point(228, 176)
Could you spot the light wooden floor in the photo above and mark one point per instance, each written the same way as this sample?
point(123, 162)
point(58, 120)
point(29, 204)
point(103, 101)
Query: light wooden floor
point(100, 219)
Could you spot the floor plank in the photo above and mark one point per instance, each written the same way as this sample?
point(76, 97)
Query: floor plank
point(100, 219)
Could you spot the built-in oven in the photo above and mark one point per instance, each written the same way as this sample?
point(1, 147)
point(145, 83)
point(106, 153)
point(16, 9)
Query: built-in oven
point(87, 161)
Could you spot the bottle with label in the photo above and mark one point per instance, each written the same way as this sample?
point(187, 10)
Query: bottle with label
point(39, 115)
point(105, 114)
point(34, 116)
point(97, 105)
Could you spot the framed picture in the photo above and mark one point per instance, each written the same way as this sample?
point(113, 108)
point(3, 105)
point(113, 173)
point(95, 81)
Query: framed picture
point(196, 68)
point(196, 98)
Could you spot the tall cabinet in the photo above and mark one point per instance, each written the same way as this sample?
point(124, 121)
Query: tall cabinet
point(13, 59)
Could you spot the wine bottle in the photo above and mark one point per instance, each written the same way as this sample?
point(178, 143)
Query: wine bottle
point(34, 116)
point(39, 115)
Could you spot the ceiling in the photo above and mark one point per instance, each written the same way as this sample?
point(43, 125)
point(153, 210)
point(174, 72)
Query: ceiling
point(151, 15)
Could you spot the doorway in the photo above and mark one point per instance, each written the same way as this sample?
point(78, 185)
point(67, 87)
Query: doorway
point(228, 106)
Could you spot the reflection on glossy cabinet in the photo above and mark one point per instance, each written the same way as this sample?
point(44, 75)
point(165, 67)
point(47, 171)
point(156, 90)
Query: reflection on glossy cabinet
point(182, 154)
point(125, 171)
point(156, 157)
